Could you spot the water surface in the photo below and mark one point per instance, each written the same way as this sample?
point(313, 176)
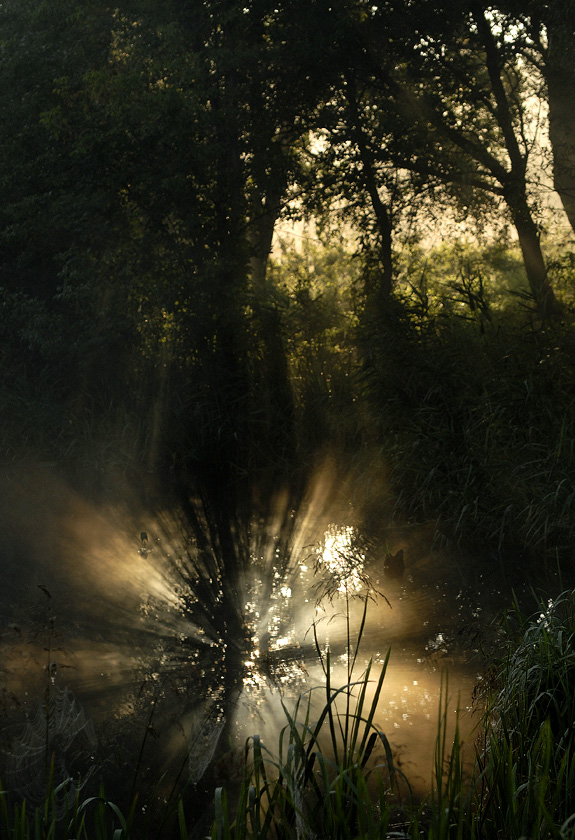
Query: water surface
point(176, 635)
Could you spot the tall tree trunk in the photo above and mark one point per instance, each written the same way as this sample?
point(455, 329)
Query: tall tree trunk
point(277, 391)
point(385, 230)
point(560, 77)
point(261, 232)
point(381, 293)
point(514, 180)
point(535, 268)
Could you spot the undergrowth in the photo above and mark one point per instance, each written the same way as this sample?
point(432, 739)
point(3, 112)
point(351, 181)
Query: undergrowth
point(477, 427)
point(522, 784)
point(332, 774)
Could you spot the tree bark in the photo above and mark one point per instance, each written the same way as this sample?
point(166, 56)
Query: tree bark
point(277, 392)
point(560, 78)
point(514, 181)
point(534, 262)
point(381, 210)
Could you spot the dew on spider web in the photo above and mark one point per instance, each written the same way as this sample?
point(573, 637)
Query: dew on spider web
point(55, 736)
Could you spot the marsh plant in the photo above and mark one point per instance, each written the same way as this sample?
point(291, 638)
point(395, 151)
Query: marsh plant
point(50, 758)
point(332, 773)
point(527, 766)
point(90, 818)
point(477, 427)
point(522, 784)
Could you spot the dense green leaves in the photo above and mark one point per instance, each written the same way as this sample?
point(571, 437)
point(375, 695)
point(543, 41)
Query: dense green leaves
point(148, 150)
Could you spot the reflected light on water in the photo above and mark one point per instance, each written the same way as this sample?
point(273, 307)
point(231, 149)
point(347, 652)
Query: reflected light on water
point(341, 558)
point(163, 622)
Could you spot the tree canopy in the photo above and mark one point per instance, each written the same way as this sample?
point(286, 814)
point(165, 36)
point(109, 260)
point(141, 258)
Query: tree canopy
point(148, 150)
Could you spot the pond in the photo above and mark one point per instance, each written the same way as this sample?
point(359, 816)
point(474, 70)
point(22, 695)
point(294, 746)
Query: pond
point(147, 645)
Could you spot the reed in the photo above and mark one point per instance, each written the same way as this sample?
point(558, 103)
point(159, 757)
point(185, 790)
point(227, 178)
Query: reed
point(324, 779)
point(528, 764)
point(93, 818)
point(332, 773)
point(319, 783)
point(522, 784)
point(477, 427)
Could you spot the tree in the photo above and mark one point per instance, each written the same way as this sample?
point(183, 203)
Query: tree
point(57, 221)
point(559, 72)
point(161, 146)
point(351, 179)
point(545, 36)
point(454, 103)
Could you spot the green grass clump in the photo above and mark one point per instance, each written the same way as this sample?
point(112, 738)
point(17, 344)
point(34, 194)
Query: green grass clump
point(93, 818)
point(527, 767)
point(320, 782)
point(324, 780)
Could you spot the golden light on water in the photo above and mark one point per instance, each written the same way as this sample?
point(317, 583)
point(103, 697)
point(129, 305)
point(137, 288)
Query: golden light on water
point(342, 560)
point(126, 615)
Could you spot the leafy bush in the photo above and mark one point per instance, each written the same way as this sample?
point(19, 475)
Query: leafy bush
point(528, 763)
point(477, 425)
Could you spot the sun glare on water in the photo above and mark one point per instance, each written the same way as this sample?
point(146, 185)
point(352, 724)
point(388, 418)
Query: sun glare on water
point(154, 622)
point(342, 560)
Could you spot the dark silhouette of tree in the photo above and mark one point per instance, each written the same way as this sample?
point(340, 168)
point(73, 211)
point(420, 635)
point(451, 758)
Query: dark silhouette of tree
point(544, 36)
point(452, 101)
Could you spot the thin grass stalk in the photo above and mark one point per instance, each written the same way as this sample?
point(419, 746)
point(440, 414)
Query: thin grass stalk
point(448, 804)
point(359, 635)
point(147, 730)
point(349, 669)
point(4, 807)
point(296, 772)
point(325, 662)
point(240, 823)
point(375, 701)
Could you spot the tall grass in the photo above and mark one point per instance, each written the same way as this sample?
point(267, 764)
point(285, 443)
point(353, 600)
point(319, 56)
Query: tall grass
point(93, 818)
point(321, 782)
point(528, 763)
point(331, 773)
point(324, 779)
point(522, 784)
point(477, 427)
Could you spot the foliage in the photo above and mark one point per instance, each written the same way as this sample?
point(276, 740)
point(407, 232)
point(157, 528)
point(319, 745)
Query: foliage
point(146, 153)
point(434, 107)
point(527, 765)
point(317, 288)
point(475, 406)
point(147, 160)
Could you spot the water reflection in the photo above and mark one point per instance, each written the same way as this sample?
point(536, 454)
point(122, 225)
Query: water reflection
point(341, 559)
point(181, 632)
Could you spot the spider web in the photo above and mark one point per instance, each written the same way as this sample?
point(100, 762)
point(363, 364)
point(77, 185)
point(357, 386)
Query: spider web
point(54, 741)
point(204, 736)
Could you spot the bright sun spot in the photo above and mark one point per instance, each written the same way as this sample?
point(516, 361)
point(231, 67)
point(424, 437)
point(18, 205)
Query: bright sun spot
point(342, 560)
